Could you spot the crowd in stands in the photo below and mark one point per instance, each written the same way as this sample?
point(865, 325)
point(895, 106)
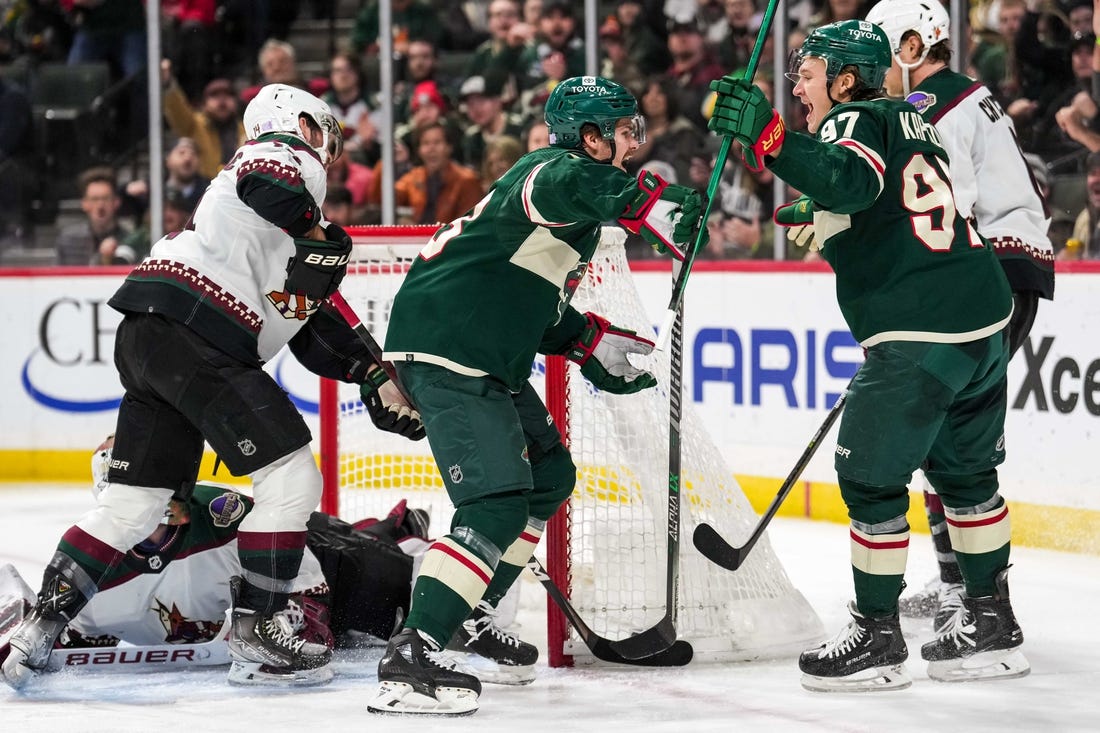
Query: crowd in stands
point(470, 82)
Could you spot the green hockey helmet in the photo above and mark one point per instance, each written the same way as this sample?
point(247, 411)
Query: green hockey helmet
point(589, 100)
point(847, 43)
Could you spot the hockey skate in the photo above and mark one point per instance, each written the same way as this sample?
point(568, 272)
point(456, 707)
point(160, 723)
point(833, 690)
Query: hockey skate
point(867, 654)
point(30, 646)
point(928, 602)
point(493, 654)
point(266, 650)
point(981, 641)
point(415, 678)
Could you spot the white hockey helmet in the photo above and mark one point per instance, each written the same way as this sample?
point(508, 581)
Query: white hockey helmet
point(278, 107)
point(927, 17)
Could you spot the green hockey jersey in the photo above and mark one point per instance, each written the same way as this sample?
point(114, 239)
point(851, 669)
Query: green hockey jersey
point(492, 288)
point(908, 266)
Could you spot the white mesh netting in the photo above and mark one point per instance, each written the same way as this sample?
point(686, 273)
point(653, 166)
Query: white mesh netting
point(618, 513)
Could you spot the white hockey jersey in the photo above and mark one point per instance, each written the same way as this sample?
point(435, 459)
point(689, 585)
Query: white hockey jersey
point(992, 182)
point(225, 274)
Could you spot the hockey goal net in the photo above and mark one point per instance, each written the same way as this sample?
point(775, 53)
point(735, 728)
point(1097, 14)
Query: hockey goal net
point(606, 548)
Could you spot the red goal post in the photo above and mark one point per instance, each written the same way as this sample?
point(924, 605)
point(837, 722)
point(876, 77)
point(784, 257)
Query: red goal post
point(606, 547)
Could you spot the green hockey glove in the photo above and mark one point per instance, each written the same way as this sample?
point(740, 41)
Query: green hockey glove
point(743, 112)
point(602, 349)
point(664, 214)
point(798, 216)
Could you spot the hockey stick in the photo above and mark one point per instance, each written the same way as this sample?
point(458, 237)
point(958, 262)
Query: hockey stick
point(143, 658)
point(707, 540)
point(365, 336)
point(663, 635)
point(676, 655)
point(680, 285)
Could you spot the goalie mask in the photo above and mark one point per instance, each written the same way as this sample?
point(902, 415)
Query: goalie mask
point(590, 100)
point(278, 108)
point(926, 18)
point(854, 43)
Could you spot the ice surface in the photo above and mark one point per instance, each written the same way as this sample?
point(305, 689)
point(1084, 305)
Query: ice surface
point(1056, 597)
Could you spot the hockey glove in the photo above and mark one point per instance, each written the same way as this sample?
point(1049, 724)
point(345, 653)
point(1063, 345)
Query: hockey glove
point(602, 349)
point(664, 214)
point(799, 217)
point(388, 408)
point(743, 112)
point(318, 267)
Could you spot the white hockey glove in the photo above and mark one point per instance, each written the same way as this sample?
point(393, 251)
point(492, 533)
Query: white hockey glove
point(388, 408)
point(798, 217)
point(602, 349)
point(665, 215)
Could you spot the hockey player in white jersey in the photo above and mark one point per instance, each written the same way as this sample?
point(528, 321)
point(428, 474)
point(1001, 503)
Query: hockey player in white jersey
point(993, 186)
point(250, 273)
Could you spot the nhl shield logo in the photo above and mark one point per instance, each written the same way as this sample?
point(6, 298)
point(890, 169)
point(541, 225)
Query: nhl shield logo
point(246, 446)
point(456, 473)
point(155, 563)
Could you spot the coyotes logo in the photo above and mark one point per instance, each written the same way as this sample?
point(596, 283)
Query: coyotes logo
point(293, 306)
point(182, 630)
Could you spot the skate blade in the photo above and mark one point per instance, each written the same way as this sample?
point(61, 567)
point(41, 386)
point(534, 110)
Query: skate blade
point(491, 672)
point(399, 698)
point(872, 679)
point(995, 665)
point(253, 674)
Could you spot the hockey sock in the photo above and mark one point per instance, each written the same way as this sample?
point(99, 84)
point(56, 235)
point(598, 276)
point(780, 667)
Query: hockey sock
point(879, 553)
point(454, 575)
point(941, 539)
point(514, 560)
point(980, 535)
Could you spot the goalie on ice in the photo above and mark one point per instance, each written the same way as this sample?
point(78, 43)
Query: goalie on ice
point(172, 590)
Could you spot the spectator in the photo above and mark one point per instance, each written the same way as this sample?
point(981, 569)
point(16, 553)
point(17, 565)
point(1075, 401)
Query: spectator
point(439, 189)
point(278, 63)
point(136, 245)
point(670, 136)
point(184, 180)
point(537, 136)
point(1043, 69)
point(500, 155)
point(837, 10)
point(428, 106)
point(352, 107)
point(484, 107)
point(108, 31)
point(507, 37)
point(1058, 129)
point(421, 65)
point(1085, 228)
point(191, 42)
point(15, 159)
point(532, 11)
point(94, 241)
point(338, 207)
point(733, 39)
point(412, 19)
point(355, 177)
point(643, 46)
point(215, 127)
point(555, 53)
point(617, 63)
point(693, 68)
point(1080, 16)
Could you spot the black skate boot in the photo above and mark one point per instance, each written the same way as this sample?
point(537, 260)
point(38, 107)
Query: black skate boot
point(981, 641)
point(494, 654)
point(58, 603)
point(266, 650)
point(867, 654)
point(416, 678)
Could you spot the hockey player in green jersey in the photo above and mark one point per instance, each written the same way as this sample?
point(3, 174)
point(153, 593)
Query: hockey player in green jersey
point(993, 184)
point(487, 293)
point(925, 297)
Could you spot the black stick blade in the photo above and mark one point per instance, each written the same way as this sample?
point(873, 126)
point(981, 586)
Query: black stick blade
point(651, 641)
point(677, 655)
point(711, 545)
